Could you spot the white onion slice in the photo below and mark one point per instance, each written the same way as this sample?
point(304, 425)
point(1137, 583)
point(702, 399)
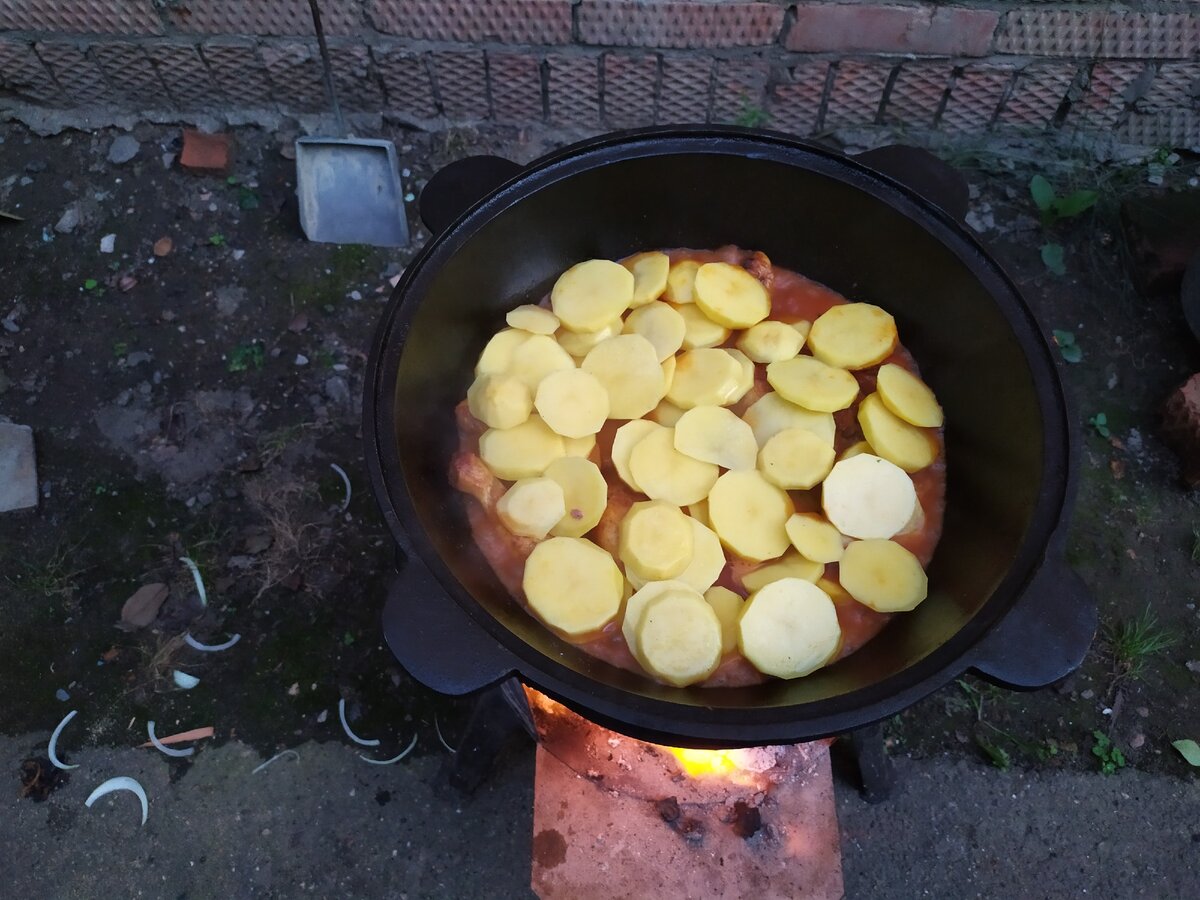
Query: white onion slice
point(394, 759)
point(163, 747)
point(187, 560)
point(281, 753)
point(345, 481)
point(52, 749)
point(374, 742)
point(120, 783)
point(210, 648)
point(184, 680)
point(438, 728)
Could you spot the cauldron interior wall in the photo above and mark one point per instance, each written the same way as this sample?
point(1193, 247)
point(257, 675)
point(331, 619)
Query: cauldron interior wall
point(825, 226)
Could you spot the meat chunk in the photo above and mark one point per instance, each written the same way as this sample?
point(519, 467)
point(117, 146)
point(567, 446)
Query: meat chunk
point(469, 475)
point(759, 266)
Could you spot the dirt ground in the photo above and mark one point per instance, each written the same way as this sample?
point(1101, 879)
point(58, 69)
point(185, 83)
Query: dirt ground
point(193, 403)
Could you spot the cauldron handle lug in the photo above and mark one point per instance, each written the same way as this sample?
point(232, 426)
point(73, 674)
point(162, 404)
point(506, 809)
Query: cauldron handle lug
point(920, 171)
point(458, 186)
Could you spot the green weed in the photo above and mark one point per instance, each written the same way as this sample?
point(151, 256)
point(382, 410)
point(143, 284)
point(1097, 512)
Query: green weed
point(1135, 642)
point(1110, 755)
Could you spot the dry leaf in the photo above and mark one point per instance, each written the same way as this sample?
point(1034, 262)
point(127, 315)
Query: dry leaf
point(299, 323)
point(126, 283)
point(142, 608)
point(1117, 467)
point(163, 246)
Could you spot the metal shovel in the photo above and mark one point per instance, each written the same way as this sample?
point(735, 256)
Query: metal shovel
point(349, 188)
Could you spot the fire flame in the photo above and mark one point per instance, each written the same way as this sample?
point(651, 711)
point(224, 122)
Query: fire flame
point(706, 763)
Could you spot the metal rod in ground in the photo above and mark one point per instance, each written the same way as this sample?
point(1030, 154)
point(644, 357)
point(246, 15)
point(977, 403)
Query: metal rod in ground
point(328, 69)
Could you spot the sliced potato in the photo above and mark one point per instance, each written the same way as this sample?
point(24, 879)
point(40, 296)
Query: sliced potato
point(708, 558)
point(578, 343)
point(789, 628)
point(804, 327)
point(499, 401)
point(813, 537)
point(771, 414)
point(770, 341)
point(790, 565)
point(666, 413)
point(582, 446)
point(497, 356)
point(908, 397)
point(585, 495)
point(728, 607)
point(810, 383)
point(656, 541)
point(628, 367)
point(531, 507)
point(537, 358)
point(714, 434)
point(700, 331)
point(636, 604)
point(681, 282)
point(731, 296)
point(853, 336)
point(795, 459)
point(747, 380)
point(855, 449)
point(660, 324)
point(589, 295)
point(668, 370)
point(836, 592)
point(624, 440)
point(868, 497)
point(699, 512)
point(649, 276)
point(523, 451)
point(679, 638)
point(535, 319)
point(663, 473)
point(573, 586)
point(572, 402)
point(748, 514)
point(883, 575)
point(705, 377)
point(894, 439)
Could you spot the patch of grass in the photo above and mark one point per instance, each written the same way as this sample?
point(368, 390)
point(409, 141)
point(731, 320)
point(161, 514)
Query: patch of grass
point(245, 356)
point(51, 578)
point(1109, 754)
point(752, 116)
point(1196, 543)
point(1099, 423)
point(1135, 642)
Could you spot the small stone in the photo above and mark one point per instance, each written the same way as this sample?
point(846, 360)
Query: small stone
point(238, 254)
point(1088, 694)
point(355, 295)
point(163, 246)
point(294, 690)
point(108, 243)
point(299, 323)
point(1137, 741)
point(26, 181)
point(229, 298)
point(337, 390)
point(1143, 711)
point(137, 357)
point(168, 160)
point(1193, 665)
point(69, 220)
point(10, 326)
point(124, 397)
point(322, 716)
point(301, 359)
point(124, 148)
point(18, 468)
point(35, 165)
point(62, 695)
point(126, 283)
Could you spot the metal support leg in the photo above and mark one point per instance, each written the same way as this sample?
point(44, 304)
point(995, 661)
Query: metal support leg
point(875, 770)
point(499, 716)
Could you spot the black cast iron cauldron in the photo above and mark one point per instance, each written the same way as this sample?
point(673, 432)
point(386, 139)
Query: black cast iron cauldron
point(1002, 601)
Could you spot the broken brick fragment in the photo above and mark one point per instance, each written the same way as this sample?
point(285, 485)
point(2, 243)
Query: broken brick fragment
point(205, 153)
point(1181, 427)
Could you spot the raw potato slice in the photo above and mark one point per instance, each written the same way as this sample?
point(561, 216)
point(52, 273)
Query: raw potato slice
point(499, 401)
point(908, 397)
point(714, 434)
point(531, 507)
point(795, 459)
point(894, 439)
point(628, 368)
point(681, 282)
point(627, 436)
point(578, 343)
point(731, 296)
point(580, 446)
point(810, 383)
point(789, 629)
point(537, 358)
point(679, 638)
point(747, 380)
point(868, 497)
point(705, 377)
point(708, 558)
point(573, 586)
point(649, 276)
point(585, 495)
point(636, 604)
point(856, 449)
point(804, 327)
point(748, 514)
point(792, 565)
point(660, 324)
point(663, 473)
point(769, 342)
point(656, 541)
point(701, 331)
point(536, 319)
point(728, 607)
point(699, 512)
point(520, 452)
point(666, 413)
point(497, 356)
point(572, 402)
point(813, 537)
point(591, 294)
point(836, 592)
point(668, 367)
point(853, 336)
point(883, 575)
point(771, 414)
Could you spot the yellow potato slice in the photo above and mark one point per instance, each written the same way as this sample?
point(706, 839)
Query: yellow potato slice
point(747, 380)
point(795, 459)
point(731, 296)
point(666, 413)
point(497, 356)
point(656, 541)
point(636, 604)
point(813, 537)
point(855, 449)
point(728, 607)
point(748, 514)
point(573, 586)
point(769, 342)
point(908, 397)
point(627, 436)
point(836, 592)
point(660, 324)
point(580, 446)
point(499, 401)
point(708, 560)
point(663, 473)
point(868, 497)
point(789, 628)
point(531, 507)
point(804, 327)
point(535, 319)
point(572, 402)
point(578, 343)
point(810, 383)
point(668, 370)
point(585, 495)
point(700, 331)
point(679, 638)
point(791, 565)
point(894, 439)
point(537, 358)
point(681, 282)
point(853, 336)
point(705, 377)
point(649, 276)
point(628, 368)
point(523, 451)
point(883, 575)
point(699, 512)
point(714, 434)
point(591, 294)
point(771, 414)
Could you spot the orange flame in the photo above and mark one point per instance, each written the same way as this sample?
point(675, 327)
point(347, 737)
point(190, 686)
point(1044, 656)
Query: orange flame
point(706, 763)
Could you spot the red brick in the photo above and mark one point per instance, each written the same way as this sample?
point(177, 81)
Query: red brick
point(878, 28)
point(1037, 94)
point(678, 23)
point(683, 94)
point(574, 90)
point(76, 73)
point(856, 93)
point(81, 16)
point(629, 87)
point(515, 80)
point(262, 17)
point(130, 73)
point(1096, 32)
point(296, 76)
point(739, 89)
point(1110, 90)
point(974, 98)
point(206, 153)
point(407, 86)
point(23, 76)
point(471, 21)
point(917, 93)
point(1175, 86)
point(239, 72)
point(461, 84)
point(794, 105)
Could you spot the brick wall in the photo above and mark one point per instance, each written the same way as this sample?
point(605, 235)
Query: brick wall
point(805, 66)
